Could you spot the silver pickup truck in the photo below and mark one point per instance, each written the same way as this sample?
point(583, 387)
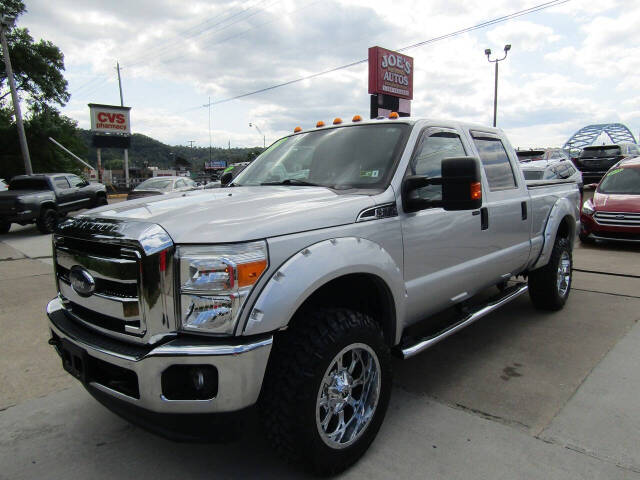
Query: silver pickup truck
point(290, 289)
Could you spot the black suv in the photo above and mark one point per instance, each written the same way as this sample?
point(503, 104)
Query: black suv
point(595, 161)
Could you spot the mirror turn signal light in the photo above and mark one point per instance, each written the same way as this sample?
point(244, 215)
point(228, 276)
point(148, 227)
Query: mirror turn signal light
point(320, 124)
point(476, 191)
point(356, 118)
point(297, 129)
point(393, 115)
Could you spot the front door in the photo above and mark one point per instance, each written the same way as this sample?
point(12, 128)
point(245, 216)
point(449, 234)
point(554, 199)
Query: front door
point(443, 251)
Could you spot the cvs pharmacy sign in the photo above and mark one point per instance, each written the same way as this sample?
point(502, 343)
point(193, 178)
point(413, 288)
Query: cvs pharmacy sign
point(110, 119)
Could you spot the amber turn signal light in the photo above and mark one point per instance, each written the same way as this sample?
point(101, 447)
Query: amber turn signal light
point(337, 121)
point(297, 129)
point(320, 124)
point(356, 118)
point(393, 115)
point(476, 191)
point(248, 273)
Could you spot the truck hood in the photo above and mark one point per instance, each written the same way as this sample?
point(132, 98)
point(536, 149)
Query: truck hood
point(616, 203)
point(240, 213)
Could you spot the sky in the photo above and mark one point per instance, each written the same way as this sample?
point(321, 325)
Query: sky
point(570, 65)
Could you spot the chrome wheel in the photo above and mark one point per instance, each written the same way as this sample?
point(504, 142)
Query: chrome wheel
point(563, 278)
point(348, 395)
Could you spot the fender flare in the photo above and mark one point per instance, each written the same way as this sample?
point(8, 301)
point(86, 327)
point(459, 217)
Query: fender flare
point(316, 265)
point(562, 209)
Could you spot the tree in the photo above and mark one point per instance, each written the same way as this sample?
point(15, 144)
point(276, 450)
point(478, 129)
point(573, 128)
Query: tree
point(37, 66)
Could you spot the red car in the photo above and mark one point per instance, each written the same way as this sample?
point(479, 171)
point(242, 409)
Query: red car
point(614, 211)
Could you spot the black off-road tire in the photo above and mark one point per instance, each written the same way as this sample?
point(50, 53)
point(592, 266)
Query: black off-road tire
point(545, 290)
point(4, 226)
point(300, 357)
point(47, 220)
point(100, 200)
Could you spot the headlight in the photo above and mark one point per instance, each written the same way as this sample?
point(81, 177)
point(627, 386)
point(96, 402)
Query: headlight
point(587, 208)
point(215, 281)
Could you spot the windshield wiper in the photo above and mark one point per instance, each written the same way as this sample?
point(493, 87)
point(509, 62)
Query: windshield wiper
point(294, 181)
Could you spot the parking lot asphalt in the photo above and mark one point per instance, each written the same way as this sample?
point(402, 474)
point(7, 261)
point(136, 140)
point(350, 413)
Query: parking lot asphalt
point(520, 394)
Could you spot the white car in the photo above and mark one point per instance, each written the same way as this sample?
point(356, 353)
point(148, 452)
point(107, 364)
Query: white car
point(552, 170)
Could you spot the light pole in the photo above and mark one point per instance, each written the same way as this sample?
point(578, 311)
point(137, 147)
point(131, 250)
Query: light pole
point(264, 140)
point(6, 22)
point(487, 52)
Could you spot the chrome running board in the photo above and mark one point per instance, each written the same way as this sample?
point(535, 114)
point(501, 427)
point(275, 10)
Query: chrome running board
point(509, 294)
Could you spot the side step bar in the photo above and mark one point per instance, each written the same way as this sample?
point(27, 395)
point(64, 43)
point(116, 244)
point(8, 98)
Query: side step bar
point(509, 294)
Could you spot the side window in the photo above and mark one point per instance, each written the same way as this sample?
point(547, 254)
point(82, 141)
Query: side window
point(180, 183)
point(428, 160)
point(75, 181)
point(496, 163)
point(61, 182)
point(634, 150)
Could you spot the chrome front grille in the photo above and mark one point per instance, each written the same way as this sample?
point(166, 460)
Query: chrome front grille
point(130, 268)
point(617, 219)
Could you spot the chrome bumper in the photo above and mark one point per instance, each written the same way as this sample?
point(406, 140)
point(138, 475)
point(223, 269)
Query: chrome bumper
point(241, 368)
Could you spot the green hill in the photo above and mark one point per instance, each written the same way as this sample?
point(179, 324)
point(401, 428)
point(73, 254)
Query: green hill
point(147, 151)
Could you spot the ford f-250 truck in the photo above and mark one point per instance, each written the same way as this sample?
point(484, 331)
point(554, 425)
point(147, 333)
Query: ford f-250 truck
point(291, 288)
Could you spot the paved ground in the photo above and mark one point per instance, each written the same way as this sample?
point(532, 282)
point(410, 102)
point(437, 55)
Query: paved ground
point(520, 394)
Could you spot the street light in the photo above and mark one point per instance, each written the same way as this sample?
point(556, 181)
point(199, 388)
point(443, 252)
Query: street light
point(6, 23)
point(264, 140)
point(487, 52)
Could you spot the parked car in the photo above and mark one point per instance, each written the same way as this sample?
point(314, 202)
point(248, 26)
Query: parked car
point(552, 170)
point(595, 161)
point(542, 154)
point(213, 184)
point(232, 171)
point(290, 291)
point(162, 186)
point(614, 211)
point(44, 197)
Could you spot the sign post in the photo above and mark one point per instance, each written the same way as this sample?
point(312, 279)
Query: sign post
point(111, 128)
point(390, 82)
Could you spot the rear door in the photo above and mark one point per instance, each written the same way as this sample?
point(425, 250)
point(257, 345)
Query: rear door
point(506, 211)
point(65, 194)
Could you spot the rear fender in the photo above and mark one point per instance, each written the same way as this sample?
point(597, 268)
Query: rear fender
point(562, 209)
point(311, 268)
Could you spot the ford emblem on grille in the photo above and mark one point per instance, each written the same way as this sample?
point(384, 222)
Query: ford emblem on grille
point(82, 281)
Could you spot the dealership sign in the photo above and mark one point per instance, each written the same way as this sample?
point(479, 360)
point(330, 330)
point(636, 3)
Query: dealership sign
point(110, 119)
point(390, 73)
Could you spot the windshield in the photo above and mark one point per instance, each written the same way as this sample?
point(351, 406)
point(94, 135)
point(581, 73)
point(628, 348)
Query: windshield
point(29, 184)
point(359, 156)
point(530, 155)
point(155, 184)
point(597, 152)
point(623, 181)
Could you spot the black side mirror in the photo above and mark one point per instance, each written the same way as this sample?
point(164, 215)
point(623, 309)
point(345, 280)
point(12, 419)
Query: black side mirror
point(461, 183)
point(226, 178)
point(412, 202)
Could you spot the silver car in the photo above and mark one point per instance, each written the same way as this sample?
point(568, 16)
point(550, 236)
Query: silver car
point(161, 186)
point(552, 170)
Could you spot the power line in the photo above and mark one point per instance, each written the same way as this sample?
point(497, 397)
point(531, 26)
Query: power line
point(511, 16)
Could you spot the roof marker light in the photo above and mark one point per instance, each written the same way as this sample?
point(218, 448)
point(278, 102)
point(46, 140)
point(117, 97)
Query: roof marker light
point(393, 115)
point(320, 124)
point(297, 129)
point(337, 121)
point(356, 118)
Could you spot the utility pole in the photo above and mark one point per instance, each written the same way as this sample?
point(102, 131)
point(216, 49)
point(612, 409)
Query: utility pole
point(126, 151)
point(487, 52)
point(191, 142)
point(209, 105)
point(6, 22)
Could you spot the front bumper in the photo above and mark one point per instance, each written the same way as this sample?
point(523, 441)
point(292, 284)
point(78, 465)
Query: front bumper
point(590, 228)
point(240, 366)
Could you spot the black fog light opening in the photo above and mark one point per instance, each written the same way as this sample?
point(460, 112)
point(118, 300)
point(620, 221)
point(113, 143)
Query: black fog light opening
point(190, 382)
